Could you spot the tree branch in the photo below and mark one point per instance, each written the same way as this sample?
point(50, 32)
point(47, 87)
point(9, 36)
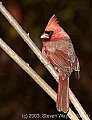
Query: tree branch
point(34, 75)
point(46, 63)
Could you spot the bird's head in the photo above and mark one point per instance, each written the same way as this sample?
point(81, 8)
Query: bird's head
point(53, 31)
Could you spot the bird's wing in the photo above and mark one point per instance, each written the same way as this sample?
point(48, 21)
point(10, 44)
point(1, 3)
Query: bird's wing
point(62, 55)
point(60, 60)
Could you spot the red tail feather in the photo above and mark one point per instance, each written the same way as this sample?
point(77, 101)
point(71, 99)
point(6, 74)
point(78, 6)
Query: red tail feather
point(63, 94)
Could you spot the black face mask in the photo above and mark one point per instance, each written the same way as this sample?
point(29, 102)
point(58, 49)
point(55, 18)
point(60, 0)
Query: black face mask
point(50, 33)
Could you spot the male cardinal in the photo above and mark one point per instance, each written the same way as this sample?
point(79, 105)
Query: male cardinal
point(58, 49)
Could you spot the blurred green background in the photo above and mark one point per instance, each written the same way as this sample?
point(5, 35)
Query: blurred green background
point(19, 94)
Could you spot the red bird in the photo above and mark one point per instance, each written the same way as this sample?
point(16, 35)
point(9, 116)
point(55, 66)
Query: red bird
point(58, 49)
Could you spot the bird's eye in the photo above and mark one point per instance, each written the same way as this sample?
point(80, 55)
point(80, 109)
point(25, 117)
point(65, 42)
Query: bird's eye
point(49, 32)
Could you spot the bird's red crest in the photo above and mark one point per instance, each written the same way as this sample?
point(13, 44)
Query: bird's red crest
point(52, 24)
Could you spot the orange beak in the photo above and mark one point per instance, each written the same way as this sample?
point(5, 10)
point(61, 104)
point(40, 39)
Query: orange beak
point(45, 36)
